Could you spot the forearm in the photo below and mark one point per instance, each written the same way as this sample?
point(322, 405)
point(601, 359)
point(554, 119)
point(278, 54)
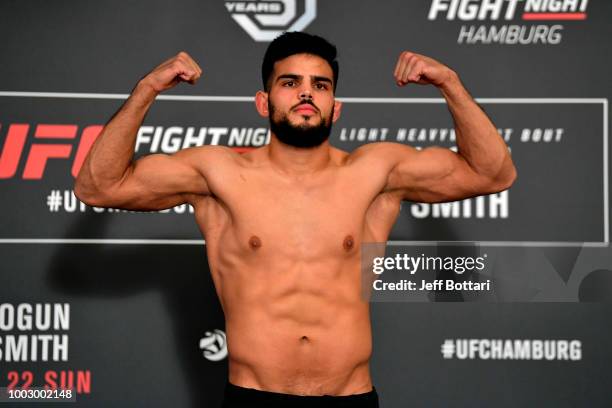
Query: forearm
point(478, 140)
point(111, 155)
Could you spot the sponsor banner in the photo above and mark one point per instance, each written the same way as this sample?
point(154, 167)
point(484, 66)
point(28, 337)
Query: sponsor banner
point(512, 349)
point(214, 345)
point(265, 20)
point(558, 145)
point(34, 343)
point(510, 22)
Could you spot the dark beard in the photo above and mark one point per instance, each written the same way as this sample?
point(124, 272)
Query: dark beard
point(302, 136)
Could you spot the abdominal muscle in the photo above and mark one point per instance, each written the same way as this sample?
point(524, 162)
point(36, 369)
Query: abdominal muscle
point(295, 327)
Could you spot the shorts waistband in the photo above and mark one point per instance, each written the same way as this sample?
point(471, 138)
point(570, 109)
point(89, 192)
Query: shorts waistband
point(239, 397)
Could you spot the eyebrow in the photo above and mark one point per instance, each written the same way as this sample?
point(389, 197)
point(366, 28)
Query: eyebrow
point(316, 78)
point(322, 79)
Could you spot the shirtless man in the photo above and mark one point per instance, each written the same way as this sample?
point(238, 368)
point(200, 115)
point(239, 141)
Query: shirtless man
point(284, 223)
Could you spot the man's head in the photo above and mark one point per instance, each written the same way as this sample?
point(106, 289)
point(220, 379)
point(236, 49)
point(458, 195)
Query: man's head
point(295, 42)
point(299, 73)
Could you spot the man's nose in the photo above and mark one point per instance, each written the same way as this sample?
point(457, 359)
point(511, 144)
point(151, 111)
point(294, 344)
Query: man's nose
point(305, 93)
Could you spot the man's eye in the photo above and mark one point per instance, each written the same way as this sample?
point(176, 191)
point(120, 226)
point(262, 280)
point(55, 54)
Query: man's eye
point(321, 86)
point(289, 83)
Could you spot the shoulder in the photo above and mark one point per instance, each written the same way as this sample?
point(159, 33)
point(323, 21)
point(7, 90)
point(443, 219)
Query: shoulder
point(380, 152)
point(207, 150)
point(206, 156)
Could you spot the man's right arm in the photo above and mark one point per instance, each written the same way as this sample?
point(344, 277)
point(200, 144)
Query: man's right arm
point(110, 178)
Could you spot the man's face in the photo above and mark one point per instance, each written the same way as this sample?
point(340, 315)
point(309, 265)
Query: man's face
point(301, 100)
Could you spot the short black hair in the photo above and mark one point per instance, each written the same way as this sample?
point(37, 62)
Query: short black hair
point(295, 42)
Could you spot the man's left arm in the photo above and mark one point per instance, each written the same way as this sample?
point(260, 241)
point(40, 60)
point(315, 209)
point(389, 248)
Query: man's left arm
point(482, 164)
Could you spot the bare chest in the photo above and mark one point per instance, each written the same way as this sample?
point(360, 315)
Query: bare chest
point(300, 219)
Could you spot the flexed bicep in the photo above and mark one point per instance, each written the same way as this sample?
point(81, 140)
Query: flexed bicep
point(155, 182)
point(160, 181)
point(437, 174)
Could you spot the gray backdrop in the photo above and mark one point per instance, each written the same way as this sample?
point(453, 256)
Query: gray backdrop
point(137, 284)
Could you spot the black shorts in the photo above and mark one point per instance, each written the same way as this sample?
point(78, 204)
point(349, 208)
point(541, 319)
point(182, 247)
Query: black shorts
point(239, 397)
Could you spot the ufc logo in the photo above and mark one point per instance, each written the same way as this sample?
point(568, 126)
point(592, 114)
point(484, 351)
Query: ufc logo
point(40, 153)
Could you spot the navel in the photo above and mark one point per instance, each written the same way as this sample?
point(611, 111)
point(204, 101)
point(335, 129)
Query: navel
point(348, 243)
point(254, 242)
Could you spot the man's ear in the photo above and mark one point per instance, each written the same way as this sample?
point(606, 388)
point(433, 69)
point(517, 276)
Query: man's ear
point(337, 109)
point(261, 103)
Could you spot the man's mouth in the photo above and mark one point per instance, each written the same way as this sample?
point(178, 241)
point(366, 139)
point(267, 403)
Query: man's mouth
point(305, 108)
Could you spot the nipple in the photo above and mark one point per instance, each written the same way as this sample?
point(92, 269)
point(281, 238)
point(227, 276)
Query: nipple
point(254, 242)
point(348, 243)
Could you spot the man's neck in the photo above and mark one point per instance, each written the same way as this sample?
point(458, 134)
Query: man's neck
point(299, 161)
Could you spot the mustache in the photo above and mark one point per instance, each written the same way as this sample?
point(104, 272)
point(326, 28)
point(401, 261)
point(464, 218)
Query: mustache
point(306, 102)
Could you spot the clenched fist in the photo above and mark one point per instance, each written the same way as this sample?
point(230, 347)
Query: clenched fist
point(170, 72)
point(419, 69)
